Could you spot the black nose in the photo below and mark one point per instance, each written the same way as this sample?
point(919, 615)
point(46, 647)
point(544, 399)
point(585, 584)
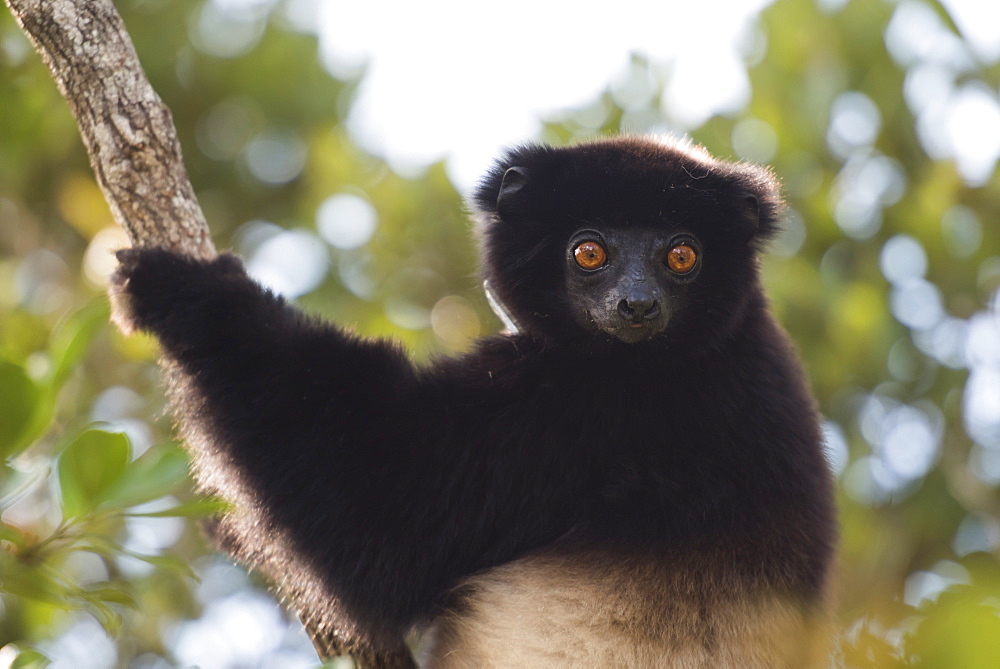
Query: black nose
point(639, 310)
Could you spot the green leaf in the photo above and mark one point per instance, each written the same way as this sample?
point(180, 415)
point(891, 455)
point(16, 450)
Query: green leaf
point(960, 629)
point(30, 659)
point(27, 406)
point(200, 507)
point(13, 535)
point(73, 337)
point(89, 467)
point(98, 544)
point(30, 582)
point(111, 594)
point(16, 483)
point(168, 562)
point(160, 471)
point(109, 619)
point(19, 397)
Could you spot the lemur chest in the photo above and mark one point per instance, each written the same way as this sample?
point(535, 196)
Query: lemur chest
point(583, 611)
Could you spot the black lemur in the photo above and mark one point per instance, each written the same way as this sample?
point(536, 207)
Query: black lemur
point(633, 478)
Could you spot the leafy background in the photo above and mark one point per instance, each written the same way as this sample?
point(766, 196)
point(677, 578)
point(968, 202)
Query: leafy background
point(887, 278)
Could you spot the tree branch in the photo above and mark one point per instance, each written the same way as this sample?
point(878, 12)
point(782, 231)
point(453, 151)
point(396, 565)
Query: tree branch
point(128, 131)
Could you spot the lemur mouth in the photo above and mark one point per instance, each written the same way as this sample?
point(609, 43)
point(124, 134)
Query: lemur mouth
point(629, 332)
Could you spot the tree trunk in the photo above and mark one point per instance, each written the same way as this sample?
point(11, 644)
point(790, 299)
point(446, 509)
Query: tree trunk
point(133, 147)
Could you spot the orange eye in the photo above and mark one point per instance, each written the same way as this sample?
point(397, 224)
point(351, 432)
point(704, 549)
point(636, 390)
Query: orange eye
point(590, 255)
point(681, 258)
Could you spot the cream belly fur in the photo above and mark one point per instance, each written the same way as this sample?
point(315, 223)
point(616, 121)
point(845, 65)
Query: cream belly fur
point(551, 611)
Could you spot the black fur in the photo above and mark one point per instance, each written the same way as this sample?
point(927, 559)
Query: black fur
point(367, 487)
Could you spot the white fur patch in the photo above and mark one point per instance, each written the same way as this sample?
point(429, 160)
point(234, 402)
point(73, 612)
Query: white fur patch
point(550, 611)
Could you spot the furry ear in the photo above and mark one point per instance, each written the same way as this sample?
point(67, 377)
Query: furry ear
point(759, 205)
point(510, 200)
point(511, 187)
point(750, 220)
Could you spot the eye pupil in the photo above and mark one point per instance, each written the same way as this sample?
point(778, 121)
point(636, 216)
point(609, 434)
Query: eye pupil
point(590, 255)
point(681, 258)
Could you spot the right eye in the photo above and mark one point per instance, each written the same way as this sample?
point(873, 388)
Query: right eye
point(682, 258)
point(590, 255)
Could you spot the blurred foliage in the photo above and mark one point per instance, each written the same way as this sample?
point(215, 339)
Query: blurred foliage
point(884, 277)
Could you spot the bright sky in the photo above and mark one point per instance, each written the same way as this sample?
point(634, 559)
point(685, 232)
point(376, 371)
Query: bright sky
point(461, 79)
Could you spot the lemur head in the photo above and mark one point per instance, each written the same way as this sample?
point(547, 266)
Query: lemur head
point(628, 239)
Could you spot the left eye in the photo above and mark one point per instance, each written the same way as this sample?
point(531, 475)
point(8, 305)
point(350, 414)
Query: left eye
point(681, 258)
point(590, 255)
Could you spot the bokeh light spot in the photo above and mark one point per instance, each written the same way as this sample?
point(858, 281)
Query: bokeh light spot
point(854, 123)
point(291, 263)
point(754, 140)
point(902, 257)
point(454, 320)
point(275, 156)
point(228, 29)
point(962, 231)
point(916, 303)
point(346, 221)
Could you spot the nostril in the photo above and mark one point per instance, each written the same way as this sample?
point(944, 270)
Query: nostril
point(639, 310)
point(625, 309)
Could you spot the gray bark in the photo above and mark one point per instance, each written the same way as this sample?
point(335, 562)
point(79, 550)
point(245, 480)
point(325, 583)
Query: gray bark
point(128, 131)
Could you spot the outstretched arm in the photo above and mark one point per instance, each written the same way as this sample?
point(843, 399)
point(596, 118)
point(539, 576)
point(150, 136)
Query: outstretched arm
point(385, 482)
point(218, 324)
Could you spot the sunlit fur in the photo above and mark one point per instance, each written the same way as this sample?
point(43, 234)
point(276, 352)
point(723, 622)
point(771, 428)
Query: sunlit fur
point(555, 497)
